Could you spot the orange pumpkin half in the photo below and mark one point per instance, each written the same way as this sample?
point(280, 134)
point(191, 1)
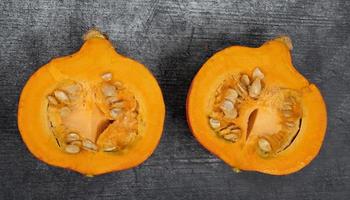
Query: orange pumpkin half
point(94, 111)
point(254, 110)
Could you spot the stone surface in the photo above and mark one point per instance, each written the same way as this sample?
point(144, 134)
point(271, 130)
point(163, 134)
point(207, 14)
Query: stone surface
point(174, 38)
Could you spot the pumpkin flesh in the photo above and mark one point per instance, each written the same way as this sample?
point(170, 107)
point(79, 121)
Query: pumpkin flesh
point(291, 138)
point(133, 141)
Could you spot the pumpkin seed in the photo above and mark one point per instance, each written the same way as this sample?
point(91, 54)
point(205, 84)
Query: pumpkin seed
point(76, 142)
point(241, 89)
point(70, 137)
point(109, 148)
point(52, 100)
point(230, 114)
point(255, 88)
point(230, 129)
point(224, 132)
point(264, 145)
point(232, 126)
point(61, 96)
point(236, 131)
point(236, 170)
point(214, 123)
point(214, 115)
point(226, 106)
point(112, 100)
point(245, 80)
point(108, 90)
point(118, 104)
point(64, 112)
point(89, 145)
point(231, 137)
point(115, 112)
point(72, 89)
point(257, 74)
point(107, 76)
point(231, 95)
point(72, 149)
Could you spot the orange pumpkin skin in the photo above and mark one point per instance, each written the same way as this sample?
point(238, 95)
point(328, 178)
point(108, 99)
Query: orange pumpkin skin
point(274, 59)
point(96, 56)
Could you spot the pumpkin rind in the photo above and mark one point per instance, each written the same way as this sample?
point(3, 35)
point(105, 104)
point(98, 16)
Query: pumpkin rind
point(275, 60)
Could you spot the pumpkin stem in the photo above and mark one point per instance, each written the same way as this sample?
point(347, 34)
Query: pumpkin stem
point(94, 33)
point(286, 40)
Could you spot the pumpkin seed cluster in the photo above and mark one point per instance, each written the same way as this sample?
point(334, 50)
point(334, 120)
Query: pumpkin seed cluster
point(102, 117)
point(241, 89)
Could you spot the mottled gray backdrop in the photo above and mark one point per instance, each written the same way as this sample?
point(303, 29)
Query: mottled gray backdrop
point(174, 38)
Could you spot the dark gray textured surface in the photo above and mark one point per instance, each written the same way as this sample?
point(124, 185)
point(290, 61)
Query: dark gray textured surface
point(174, 38)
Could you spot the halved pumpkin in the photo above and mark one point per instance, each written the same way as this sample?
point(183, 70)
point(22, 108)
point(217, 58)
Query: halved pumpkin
point(255, 111)
point(93, 112)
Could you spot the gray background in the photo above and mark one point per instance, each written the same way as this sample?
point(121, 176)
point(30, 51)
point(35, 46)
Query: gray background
point(174, 38)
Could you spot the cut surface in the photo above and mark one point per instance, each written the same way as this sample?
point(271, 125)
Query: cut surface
point(94, 111)
point(250, 107)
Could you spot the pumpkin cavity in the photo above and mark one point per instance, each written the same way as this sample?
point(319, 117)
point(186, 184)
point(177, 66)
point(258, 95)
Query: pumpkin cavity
point(99, 117)
point(273, 117)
